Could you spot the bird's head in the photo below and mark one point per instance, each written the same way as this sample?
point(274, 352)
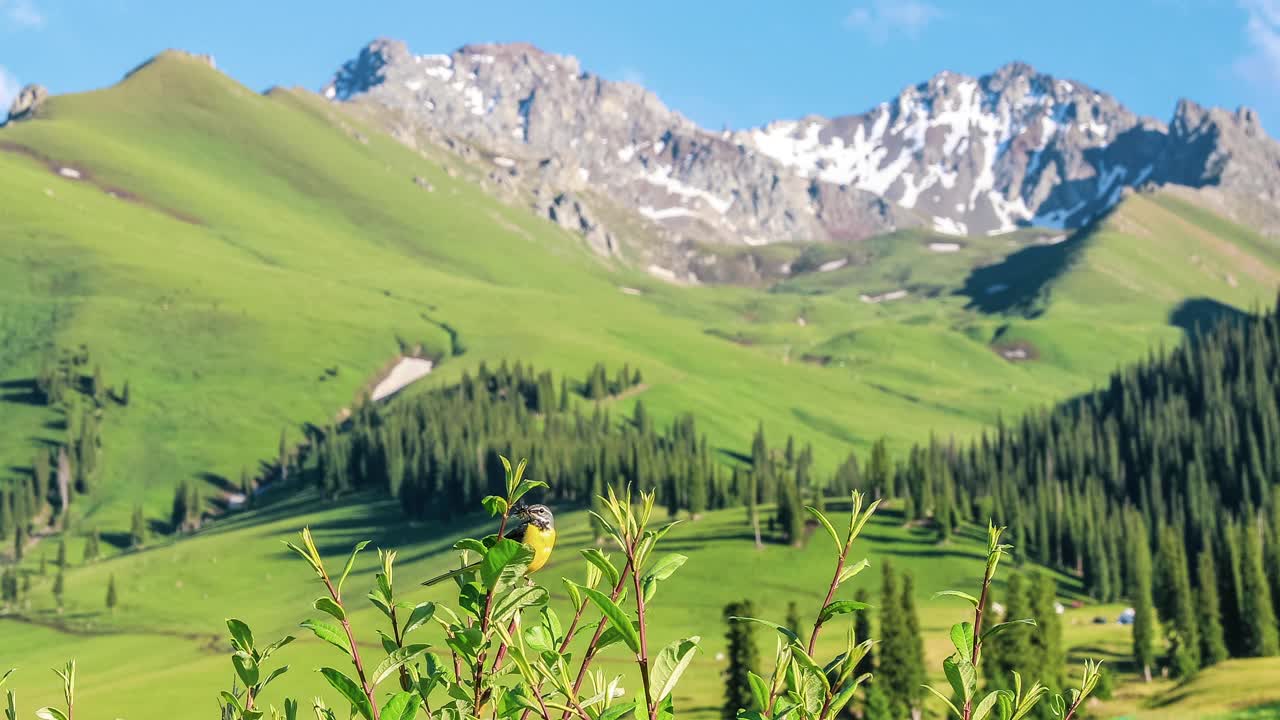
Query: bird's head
point(539, 515)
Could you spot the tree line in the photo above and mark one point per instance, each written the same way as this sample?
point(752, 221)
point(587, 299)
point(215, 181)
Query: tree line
point(1169, 471)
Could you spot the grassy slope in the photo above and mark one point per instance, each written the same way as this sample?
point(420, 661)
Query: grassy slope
point(312, 248)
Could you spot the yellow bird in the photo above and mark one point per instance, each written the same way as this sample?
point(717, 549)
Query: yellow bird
point(536, 529)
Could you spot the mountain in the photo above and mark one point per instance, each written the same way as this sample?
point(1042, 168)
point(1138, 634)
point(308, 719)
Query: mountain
point(958, 154)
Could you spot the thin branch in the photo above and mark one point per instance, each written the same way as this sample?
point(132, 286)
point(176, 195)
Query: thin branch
point(831, 592)
point(642, 659)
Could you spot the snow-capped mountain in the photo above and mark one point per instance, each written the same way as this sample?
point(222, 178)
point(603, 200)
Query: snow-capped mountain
point(959, 154)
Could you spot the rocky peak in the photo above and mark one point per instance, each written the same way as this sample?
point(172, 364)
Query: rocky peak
point(28, 101)
point(960, 154)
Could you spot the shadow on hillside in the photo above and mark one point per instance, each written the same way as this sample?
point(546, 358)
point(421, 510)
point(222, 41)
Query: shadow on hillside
point(1020, 283)
point(1198, 317)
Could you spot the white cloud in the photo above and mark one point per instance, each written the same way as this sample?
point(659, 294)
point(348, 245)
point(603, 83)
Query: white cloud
point(1261, 65)
point(880, 19)
point(9, 87)
point(21, 13)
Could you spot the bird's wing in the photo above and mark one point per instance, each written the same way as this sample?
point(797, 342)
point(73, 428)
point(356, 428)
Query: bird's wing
point(516, 532)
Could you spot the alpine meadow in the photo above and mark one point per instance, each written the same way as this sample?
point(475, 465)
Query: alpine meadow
point(478, 386)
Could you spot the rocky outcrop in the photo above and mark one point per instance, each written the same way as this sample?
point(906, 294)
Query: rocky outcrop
point(28, 102)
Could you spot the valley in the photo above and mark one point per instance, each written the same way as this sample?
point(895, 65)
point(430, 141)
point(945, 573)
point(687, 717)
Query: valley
point(242, 269)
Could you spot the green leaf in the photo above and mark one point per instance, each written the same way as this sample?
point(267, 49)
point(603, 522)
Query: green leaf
point(786, 632)
point(350, 562)
point(671, 664)
point(845, 694)
point(985, 707)
point(944, 699)
point(852, 570)
point(231, 701)
point(840, 607)
point(956, 593)
point(325, 604)
point(329, 634)
point(267, 651)
point(813, 690)
point(597, 558)
point(394, 660)
point(574, 593)
point(612, 635)
point(50, 713)
point(617, 712)
point(306, 556)
point(350, 690)
point(246, 668)
point(1001, 627)
point(525, 486)
point(494, 505)
point(401, 706)
point(241, 633)
point(504, 554)
point(6, 675)
point(826, 524)
point(421, 615)
point(961, 676)
point(275, 674)
point(518, 599)
point(617, 618)
point(666, 567)
point(758, 689)
point(962, 638)
point(470, 544)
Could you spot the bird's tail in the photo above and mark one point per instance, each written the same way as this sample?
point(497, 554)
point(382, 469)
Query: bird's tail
point(452, 573)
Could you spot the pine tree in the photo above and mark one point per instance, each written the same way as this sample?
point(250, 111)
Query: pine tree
point(1144, 620)
point(790, 515)
point(138, 528)
point(1008, 651)
point(91, 546)
point(915, 671)
point(793, 617)
point(111, 593)
point(62, 554)
point(1257, 611)
point(1047, 655)
point(1175, 605)
point(743, 658)
point(1213, 645)
point(862, 632)
point(877, 705)
point(697, 482)
point(893, 673)
point(20, 542)
point(58, 587)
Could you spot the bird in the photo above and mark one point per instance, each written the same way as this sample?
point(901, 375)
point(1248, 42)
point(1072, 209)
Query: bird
point(536, 529)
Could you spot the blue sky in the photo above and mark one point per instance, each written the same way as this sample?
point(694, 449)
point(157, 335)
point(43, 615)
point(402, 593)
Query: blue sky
point(737, 64)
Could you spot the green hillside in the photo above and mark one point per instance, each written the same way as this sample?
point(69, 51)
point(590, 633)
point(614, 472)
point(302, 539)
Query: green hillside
point(249, 263)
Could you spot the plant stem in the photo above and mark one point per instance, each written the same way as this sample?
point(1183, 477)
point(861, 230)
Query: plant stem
point(977, 636)
point(642, 659)
point(351, 640)
point(831, 591)
point(485, 618)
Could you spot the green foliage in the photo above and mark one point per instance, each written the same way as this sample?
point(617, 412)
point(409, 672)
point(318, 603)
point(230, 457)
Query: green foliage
point(740, 679)
point(968, 638)
point(799, 686)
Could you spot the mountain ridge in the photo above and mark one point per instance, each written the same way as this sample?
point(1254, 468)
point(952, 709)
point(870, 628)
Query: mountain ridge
point(964, 155)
